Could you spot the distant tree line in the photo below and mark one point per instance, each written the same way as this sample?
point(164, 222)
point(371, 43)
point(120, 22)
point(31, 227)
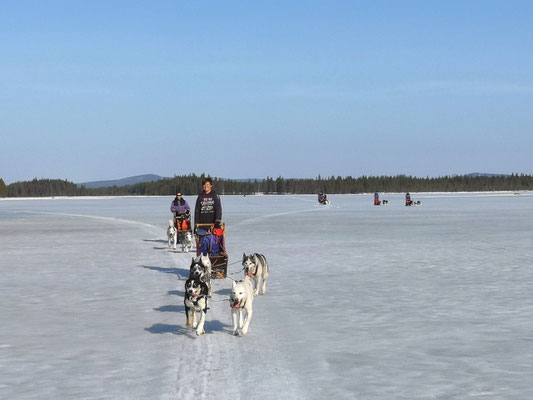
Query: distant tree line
point(43, 188)
point(3, 188)
point(192, 185)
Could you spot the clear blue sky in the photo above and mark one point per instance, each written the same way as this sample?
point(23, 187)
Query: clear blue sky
point(93, 90)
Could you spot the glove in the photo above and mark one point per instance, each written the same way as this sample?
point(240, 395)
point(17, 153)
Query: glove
point(218, 224)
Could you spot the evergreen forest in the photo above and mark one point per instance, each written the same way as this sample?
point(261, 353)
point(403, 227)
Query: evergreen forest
point(191, 185)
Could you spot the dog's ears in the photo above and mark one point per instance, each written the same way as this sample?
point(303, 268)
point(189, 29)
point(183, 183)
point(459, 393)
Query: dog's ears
point(243, 256)
point(192, 262)
point(233, 284)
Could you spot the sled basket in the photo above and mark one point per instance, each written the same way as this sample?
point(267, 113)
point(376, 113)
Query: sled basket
point(182, 223)
point(212, 241)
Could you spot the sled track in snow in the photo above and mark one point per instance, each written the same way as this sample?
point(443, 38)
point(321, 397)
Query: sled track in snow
point(111, 219)
point(263, 217)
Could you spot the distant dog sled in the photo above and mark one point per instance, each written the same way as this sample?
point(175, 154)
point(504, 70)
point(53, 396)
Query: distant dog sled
point(378, 202)
point(182, 222)
point(323, 198)
point(410, 202)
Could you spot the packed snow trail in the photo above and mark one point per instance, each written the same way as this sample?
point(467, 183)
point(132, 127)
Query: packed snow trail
point(362, 301)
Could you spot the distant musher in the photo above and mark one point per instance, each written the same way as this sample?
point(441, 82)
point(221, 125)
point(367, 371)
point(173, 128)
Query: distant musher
point(322, 198)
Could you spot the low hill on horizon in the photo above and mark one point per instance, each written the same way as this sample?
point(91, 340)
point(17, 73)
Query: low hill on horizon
point(132, 180)
point(477, 174)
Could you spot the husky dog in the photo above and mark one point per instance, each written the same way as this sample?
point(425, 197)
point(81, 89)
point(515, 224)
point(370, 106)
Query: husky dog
point(186, 240)
point(195, 302)
point(201, 269)
point(256, 267)
point(172, 233)
point(241, 299)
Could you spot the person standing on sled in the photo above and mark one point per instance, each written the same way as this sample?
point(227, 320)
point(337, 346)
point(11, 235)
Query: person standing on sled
point(376, 199)
point(208, 209)
point(181, 210)
point(179, 206)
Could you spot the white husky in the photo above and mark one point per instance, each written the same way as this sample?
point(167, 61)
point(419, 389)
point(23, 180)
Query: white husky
point(172, 233)
point(186, 241)
point(256, 267)
point(241, 299)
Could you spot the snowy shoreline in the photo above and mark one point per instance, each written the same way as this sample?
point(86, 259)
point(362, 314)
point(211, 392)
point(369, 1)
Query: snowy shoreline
point(447, 194)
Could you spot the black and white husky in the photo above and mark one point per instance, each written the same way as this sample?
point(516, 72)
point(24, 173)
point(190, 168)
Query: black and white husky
point(256, 267)
point(172, 233)
point(201, 269)
point(241, 299)
point(196, 303)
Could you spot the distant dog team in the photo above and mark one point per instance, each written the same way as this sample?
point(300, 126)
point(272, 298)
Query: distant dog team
point(176, 236)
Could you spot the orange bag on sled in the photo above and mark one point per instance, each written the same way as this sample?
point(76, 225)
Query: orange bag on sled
point(184, 225)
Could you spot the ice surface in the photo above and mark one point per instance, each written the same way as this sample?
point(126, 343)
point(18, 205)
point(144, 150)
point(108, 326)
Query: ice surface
point(363, 302)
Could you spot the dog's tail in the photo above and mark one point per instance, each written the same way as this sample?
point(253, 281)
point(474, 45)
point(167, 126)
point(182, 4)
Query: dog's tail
point(262, 259)
point(267, 269)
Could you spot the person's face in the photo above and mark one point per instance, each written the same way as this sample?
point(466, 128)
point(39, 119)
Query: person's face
point(207, 187)
point(178, 196)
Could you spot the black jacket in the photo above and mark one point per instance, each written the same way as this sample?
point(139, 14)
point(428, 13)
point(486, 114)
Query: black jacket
point(208, 208)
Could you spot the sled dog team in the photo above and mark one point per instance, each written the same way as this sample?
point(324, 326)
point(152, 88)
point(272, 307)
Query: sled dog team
point(198, 291)
point(185, 237)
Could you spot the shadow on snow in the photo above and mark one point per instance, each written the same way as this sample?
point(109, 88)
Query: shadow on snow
point(179, 272)
point(210, 327)
point(156, 240)
point(171, 308)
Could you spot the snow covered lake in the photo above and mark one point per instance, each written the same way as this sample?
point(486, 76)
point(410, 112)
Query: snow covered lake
point(363, 302)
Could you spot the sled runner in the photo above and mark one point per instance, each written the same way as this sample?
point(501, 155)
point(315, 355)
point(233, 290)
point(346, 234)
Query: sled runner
point(212, 241)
